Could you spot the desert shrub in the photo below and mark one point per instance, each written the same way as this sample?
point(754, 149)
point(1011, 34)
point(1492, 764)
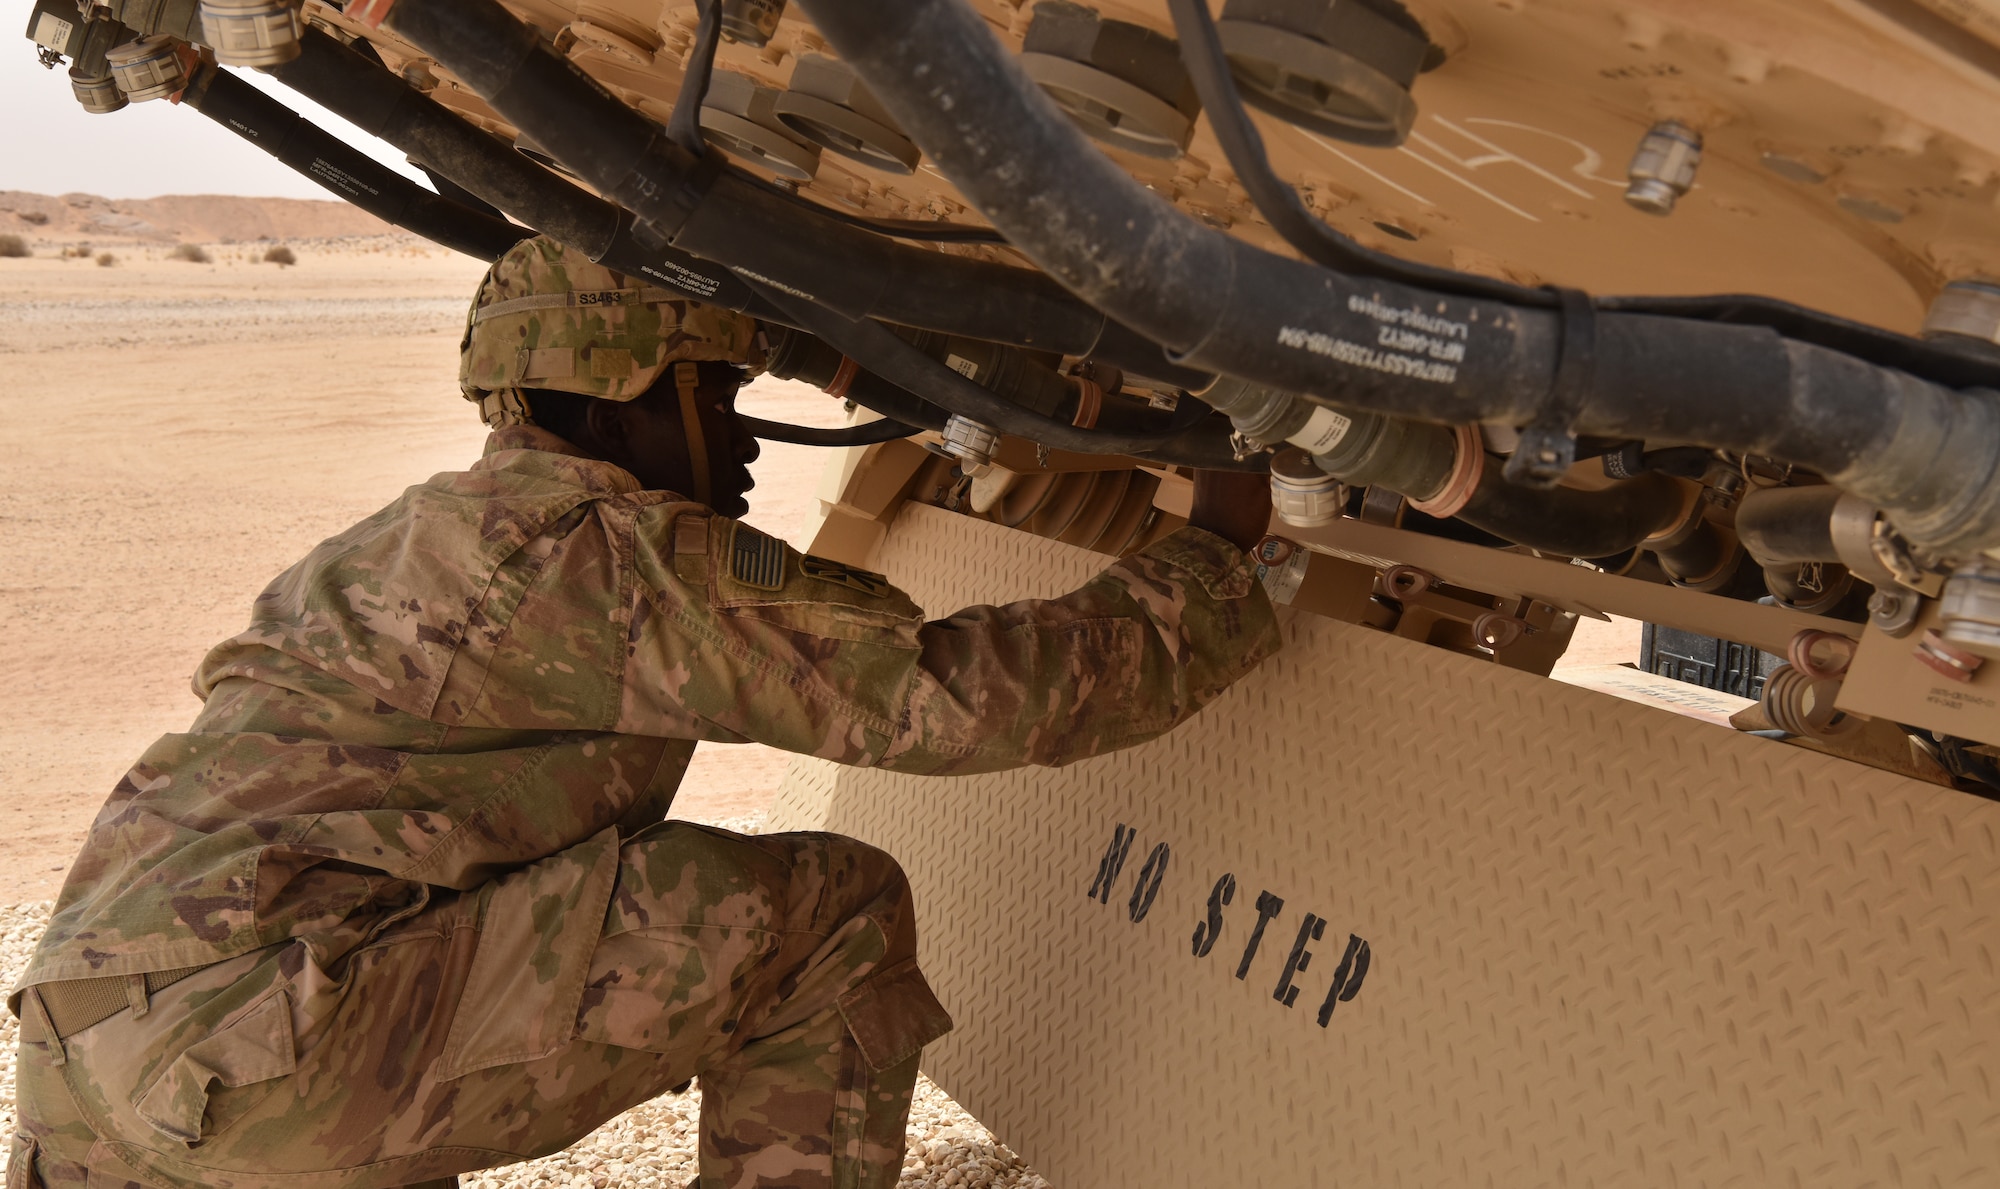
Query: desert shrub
point(280, 256)
point(192, 253)
point(106, 260)
point(77, 252)
point(34, 218)
point(13, 246)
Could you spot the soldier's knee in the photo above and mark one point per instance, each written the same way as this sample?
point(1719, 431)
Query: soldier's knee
point(853, 880)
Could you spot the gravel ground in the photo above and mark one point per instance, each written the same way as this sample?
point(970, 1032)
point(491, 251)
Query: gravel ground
point(649, 1147)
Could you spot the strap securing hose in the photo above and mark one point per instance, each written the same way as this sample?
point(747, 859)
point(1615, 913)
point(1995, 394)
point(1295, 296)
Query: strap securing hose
point(684, 125)
point(1548, 445)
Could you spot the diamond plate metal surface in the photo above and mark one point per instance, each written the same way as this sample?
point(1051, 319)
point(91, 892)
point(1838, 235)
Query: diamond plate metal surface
point(1609, 946)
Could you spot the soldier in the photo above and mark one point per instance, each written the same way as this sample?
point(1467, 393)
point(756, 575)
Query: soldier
point(403, 903)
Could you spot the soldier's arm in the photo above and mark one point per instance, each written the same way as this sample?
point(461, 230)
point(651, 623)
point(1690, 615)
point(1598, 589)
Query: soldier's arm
point(754, 642)
point(1124, 659)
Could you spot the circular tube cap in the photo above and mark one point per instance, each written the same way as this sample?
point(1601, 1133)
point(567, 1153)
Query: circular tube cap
point(847, 132)
point(251, 32)
point(760, 145)
point(149, 68)
point(98, 94)
point(1109, 109)
point(1312, 84)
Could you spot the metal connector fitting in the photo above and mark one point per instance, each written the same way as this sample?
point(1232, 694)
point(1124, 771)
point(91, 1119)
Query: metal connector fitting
point(1663, 169)
point(98, 93)
point(1965, 309)
point(971, 443)
point(1969, 608)
point(1303, 495)
point(751, 22)
point(149, 68)
point(251, 32)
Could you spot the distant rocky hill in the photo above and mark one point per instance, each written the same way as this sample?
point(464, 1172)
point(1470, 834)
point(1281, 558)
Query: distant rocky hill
point(188, 218)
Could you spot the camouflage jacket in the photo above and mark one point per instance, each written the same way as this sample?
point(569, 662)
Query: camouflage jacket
point(516, 661)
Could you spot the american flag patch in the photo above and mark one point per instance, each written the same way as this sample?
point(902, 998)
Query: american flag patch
point(755, 559)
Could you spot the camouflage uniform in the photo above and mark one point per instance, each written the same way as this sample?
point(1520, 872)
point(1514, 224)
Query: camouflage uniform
point(401, 902)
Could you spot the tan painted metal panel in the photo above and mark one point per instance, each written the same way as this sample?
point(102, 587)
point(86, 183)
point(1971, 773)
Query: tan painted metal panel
point(1609, 945)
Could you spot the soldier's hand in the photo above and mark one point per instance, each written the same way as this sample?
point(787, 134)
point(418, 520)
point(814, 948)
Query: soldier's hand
point(1234, 505)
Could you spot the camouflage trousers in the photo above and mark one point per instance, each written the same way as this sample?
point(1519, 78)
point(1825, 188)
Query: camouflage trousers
point(502, 1024)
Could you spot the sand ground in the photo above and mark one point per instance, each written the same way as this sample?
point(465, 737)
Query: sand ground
point(175, 434)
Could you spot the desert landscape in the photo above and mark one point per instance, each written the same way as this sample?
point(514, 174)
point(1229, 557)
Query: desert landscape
point(178, 431)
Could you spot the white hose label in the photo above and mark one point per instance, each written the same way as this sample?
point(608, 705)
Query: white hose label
point(1282, 581)
point(1408, 342)
point(52, 32)
point(963, 366)
point(334, 175)
point(683, 278)
point(1322, 431)
point(1342, 351)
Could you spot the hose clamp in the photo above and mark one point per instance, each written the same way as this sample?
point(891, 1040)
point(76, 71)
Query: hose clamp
point(1548, 444)
point(1468, 468)
point(1089, 403)
point(665, 185)
point(843, 378)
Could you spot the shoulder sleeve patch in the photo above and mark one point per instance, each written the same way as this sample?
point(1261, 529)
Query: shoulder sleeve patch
point(854, 578)
point(756, 560)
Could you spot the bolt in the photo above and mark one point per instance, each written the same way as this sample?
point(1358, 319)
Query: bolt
point(1965, 309)
point(1663, 167)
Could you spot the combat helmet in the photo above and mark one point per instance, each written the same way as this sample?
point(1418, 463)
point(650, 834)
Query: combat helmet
point(547, 316)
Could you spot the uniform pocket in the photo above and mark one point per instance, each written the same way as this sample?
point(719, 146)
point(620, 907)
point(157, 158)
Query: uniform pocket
point(893, 1016)
point(536, 934)
point(217, 1080)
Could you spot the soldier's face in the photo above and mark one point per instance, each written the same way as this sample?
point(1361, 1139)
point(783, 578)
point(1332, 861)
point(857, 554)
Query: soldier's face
point(646, 436)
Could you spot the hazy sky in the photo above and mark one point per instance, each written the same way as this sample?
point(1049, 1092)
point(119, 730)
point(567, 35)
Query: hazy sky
point(52, 146)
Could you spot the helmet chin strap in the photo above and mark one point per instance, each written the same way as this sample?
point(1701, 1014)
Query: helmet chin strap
point(687, 376)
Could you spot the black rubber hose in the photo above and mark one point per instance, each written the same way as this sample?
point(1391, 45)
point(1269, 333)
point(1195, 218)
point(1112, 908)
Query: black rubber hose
point(684, 125)
point(381, 104)
point(797, 355)
point(1940, 362)
point(374, 99)
point(1571, 522)
point(921, 230)
point(1787, 525)
point(1217, 301)
point(1930, 456)
point(706, 208)
point(1208, 66)
point(1196, 444)
point(348, 172)
point(447, 188)
point(867, 434)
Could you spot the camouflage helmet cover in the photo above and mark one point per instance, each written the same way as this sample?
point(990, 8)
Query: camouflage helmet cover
point(547, 316)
